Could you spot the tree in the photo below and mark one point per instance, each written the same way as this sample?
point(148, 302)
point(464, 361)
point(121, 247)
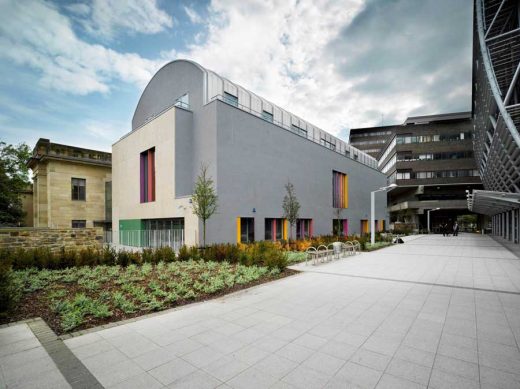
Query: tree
point(204, 199)
point(291, 206)
point(14, 178)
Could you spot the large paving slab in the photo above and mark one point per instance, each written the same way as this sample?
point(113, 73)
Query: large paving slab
point(469, 260)
point(326, 328)
point(24, 363)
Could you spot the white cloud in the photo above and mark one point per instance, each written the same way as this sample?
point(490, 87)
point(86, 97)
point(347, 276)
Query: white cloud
point(276, 50)
point(106, 132)
point(283, 50)
point(107, 18)
point(34, 33)
point(80, 9)
point(193, 15)
point(321, 59)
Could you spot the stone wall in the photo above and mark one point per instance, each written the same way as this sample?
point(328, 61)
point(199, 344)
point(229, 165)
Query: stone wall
point(52, 238)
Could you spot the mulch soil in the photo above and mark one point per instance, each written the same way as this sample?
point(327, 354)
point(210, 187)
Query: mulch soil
point(36, 304)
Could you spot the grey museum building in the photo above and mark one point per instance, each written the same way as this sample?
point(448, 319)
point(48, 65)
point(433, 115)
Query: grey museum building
point(189, 116)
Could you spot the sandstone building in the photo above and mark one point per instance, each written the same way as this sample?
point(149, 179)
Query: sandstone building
point(71, 186)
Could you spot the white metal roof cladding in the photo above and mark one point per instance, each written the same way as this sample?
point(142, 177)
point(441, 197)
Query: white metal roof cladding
point(217, 87)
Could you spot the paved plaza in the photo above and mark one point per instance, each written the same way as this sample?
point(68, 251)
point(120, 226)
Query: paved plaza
point(422, 314)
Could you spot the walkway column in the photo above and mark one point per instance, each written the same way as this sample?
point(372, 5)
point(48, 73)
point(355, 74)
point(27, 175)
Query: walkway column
point(516, 229)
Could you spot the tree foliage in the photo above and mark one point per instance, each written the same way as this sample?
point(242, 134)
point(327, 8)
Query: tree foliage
point(14, 178)
point(204, 199)
point(290, 205)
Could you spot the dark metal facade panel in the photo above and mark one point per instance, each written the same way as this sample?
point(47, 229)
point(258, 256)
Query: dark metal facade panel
point(496, 93)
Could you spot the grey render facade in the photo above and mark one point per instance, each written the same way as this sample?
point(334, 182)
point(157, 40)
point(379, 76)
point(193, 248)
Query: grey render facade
point(188, 116)
point(431, 160)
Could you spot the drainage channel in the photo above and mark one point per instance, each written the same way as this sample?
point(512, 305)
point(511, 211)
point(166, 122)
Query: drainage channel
point(75, 372)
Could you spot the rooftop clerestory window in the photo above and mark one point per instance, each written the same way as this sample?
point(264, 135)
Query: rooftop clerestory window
point(183, 101)
point(267, 116)
point(231, 99)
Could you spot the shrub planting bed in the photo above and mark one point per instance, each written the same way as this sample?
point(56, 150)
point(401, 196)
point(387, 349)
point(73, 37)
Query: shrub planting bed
point(73, 290)
point(81, 297)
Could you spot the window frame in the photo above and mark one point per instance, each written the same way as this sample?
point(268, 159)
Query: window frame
point(230, 99)
point(268, 116)
point(78, 221)
point(79, 193)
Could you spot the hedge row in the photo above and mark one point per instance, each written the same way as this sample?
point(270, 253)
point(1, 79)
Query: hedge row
point(259, 253)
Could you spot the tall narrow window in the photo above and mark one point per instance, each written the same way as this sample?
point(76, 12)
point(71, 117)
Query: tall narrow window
point(340, 227)
point(339, 190)
point(148, 175)
point(365, 228)
point(303, 228)
point(275, 229)
point(79, 189)
point(245, 229)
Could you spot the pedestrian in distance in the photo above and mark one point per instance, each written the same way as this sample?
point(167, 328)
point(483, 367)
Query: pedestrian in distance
point(456, 229)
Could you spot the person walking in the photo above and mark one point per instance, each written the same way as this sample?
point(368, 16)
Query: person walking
point(456, 229)
point(444, 228)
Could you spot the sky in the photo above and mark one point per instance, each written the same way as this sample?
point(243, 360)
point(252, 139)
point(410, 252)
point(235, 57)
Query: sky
point(73, 71)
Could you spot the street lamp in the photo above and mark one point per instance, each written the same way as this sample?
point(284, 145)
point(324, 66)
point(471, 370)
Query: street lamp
point(372, 211)
point(428, 214)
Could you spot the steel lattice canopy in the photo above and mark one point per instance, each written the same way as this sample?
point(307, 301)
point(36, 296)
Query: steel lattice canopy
point(492, 203)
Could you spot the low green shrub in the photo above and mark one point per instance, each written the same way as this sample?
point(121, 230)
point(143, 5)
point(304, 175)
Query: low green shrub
point(72, 312)
point(258, 253)
point(184, 254)
point(296, 257)
point(10, 291)
point(222, 252)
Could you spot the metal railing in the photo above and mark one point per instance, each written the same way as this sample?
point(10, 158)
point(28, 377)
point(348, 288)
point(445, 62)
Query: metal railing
point(146, 238)
point(321, 137)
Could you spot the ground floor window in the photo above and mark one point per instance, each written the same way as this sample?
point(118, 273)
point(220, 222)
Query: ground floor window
point(152, 232)
point(340, 227)
point(79, 223)
point(303, 228)
point(364, 226)
point(164, 224)
point(245, 229)
point(274, 229)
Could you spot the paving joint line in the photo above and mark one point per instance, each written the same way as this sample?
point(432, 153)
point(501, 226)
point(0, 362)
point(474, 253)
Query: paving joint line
point(503, 244)
point(413, 282)
point(73, 370)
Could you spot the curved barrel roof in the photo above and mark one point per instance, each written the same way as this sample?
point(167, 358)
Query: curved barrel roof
point(164, 89)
